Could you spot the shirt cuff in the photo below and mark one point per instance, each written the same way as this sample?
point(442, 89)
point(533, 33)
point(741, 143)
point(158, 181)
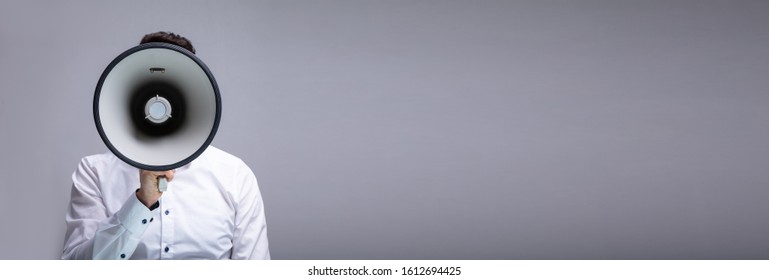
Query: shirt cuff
point(135, 216)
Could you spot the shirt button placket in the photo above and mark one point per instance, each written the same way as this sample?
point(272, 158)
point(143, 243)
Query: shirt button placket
point(167, 227)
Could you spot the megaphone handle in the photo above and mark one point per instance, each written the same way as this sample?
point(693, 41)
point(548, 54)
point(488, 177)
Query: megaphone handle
point(162, 184)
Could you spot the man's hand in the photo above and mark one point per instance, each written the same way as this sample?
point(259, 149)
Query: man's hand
point(148, 192)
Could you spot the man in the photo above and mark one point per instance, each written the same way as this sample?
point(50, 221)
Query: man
point(212, 209)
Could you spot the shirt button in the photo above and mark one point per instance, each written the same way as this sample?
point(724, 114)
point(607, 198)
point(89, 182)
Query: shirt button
point(144, 221)
point(122, 256)
point(168, 212)
point(166, 249)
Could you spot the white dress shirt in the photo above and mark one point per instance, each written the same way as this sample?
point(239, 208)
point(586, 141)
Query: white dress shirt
point(212, 210)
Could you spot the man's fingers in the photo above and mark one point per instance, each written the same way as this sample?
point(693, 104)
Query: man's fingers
point(169, 175)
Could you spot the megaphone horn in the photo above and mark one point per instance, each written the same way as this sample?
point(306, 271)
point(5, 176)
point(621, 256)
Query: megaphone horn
point(157, 106)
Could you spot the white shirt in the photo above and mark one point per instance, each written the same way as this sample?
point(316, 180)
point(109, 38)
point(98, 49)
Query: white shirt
point(212, 210)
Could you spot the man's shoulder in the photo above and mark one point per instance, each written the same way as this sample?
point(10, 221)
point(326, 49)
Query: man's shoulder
point(106, 158)
point(219, 157)
point(101, 164)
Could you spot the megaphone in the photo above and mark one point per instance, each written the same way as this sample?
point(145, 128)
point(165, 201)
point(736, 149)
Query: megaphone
point(157, 107)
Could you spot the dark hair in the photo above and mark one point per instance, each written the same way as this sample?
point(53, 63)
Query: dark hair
point(168, 37)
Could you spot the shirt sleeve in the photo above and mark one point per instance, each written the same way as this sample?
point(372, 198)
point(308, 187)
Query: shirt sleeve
point(250, 236)
point(92, 233)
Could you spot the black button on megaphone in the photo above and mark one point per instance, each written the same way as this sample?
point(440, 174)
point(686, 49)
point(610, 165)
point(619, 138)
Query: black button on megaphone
point(157, 106)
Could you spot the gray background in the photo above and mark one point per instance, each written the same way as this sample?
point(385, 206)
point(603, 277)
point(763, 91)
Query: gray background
point(430, 129)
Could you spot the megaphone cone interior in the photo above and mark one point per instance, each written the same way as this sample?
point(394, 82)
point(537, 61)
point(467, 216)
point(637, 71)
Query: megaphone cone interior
point(157, 106)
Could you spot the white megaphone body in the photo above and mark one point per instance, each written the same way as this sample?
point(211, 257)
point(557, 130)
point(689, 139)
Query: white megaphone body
point(157, 107)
